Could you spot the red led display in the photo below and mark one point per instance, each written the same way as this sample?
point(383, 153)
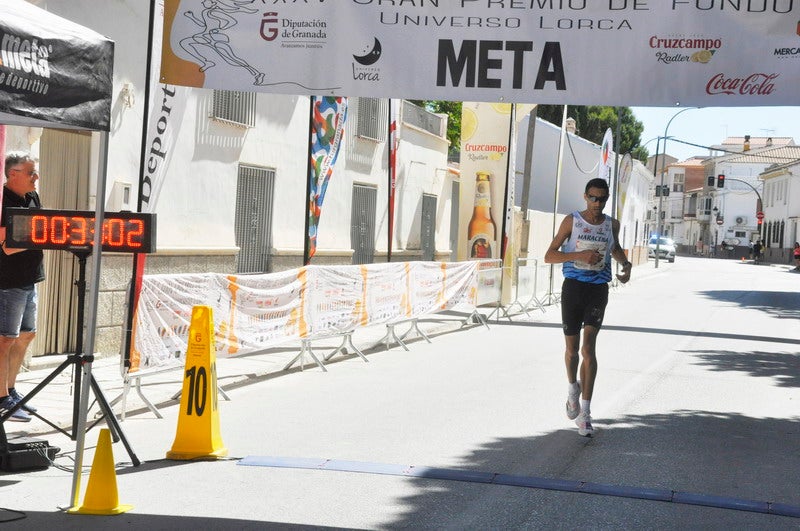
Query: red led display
point(72, 230)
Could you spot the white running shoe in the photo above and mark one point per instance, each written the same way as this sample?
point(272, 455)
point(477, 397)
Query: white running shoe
point(584, 423)
point(573, 403)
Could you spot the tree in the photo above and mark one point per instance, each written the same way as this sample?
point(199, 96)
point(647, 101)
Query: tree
point(592, 121)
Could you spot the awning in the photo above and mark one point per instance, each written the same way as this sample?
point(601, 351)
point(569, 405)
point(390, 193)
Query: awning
point(53, 72)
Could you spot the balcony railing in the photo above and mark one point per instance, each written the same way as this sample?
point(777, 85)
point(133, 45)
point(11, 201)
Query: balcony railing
point(703, 215)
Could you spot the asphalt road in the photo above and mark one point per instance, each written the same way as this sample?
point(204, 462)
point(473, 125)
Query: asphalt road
point(697, 401)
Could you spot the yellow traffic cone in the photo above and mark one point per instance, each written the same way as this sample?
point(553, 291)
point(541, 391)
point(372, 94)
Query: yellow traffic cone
point(101, 493)
point(198, 434)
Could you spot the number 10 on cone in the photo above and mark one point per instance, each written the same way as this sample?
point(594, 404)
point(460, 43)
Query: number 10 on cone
point(198, 434)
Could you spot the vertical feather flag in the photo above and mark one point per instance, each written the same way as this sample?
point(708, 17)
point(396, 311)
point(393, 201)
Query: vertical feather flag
point(327, 127)
point(604, 169)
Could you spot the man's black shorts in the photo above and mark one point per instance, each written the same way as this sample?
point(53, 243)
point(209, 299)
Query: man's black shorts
point(582, 303)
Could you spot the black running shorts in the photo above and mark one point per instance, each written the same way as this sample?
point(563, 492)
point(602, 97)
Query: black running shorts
point(582, 303)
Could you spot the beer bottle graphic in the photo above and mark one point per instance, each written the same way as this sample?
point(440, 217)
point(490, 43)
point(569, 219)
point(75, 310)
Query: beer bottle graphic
point(481, 229)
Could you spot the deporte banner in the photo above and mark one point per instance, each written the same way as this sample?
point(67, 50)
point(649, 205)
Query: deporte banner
point(603, 52)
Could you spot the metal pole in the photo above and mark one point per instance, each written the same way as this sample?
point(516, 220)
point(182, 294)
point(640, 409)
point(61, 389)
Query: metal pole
point(508, 209)
point(655, 171)
point(559, 169)
point(526, 178)
point(139, 259)
point(390, 173)
point(309, 169)
point(661, 195)
point(91, 325)
point(660, 198)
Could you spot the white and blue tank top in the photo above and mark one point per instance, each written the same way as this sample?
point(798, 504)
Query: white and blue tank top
point(587, 236)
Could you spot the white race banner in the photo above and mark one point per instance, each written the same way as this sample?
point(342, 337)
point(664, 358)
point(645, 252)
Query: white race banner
point(707, 53)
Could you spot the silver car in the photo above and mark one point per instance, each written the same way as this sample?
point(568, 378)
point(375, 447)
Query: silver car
point(666, 248)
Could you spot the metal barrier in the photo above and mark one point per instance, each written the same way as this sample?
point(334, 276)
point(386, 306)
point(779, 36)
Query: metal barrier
point(551, 296)
point(306, 348)
point(489, 283)
point(307, 305)
point(527, 286)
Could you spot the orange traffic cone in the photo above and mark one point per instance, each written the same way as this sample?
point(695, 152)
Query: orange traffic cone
point(101, 493)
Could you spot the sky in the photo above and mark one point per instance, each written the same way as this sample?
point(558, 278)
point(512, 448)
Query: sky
point(711, 125)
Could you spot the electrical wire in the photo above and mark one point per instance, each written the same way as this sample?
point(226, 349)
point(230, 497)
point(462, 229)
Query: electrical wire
point(743, 153)
point(575, 159)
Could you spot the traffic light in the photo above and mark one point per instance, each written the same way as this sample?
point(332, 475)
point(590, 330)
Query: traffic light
point(720, 181)
point(710, 180)
point(665, 190)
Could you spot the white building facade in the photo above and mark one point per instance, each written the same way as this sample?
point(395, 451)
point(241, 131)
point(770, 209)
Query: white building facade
point(781, 224)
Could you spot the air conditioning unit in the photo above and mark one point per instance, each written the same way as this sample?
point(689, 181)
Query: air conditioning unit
point(120, 197)
point(741, 220)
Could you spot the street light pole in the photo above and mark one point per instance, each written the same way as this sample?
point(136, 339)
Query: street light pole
point(661, 195)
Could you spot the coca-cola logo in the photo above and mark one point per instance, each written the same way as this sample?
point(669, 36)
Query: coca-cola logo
point(755, 84)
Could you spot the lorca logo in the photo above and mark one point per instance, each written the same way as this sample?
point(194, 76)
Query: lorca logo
point(27, 56)
point(366, 59)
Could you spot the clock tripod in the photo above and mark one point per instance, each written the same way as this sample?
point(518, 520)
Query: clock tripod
point(82, 368)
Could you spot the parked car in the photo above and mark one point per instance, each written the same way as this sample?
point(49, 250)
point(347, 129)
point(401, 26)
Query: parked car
point(666, 248)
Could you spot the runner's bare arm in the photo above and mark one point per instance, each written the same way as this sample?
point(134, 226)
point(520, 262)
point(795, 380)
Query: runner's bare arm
point(619, 254)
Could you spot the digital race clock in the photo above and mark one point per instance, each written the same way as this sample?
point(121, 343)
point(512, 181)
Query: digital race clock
point(73, 230)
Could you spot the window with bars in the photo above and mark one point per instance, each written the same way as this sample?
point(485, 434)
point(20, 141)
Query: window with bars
point(234, 107)
point(677, 182)
point(428, 227)
point(372, 119)
point(255, 193)
point(362, 223)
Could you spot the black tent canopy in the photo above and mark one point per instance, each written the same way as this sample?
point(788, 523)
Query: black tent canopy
point(53, 72)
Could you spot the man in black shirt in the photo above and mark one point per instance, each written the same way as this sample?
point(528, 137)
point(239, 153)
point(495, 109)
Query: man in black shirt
point(20, 271)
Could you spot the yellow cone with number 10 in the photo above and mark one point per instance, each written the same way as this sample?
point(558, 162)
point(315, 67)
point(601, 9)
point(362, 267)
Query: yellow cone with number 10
point(198, 435)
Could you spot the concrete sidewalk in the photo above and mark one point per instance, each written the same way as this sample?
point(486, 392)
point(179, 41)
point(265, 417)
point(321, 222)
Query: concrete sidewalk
point(55, 401)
